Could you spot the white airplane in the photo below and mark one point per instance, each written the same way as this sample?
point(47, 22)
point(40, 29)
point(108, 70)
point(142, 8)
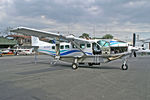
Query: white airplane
point(75, 50)
point(138, 46)
point(141, 47)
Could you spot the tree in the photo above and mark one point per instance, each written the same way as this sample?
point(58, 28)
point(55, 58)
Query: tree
point(85, 35)
point(107, 36)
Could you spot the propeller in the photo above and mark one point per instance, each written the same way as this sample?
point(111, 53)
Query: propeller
point(134, 53)
point(134, 49)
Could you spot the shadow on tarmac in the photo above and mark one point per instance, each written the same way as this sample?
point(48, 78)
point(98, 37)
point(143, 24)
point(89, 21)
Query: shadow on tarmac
point(63, 67)
point(99, 67)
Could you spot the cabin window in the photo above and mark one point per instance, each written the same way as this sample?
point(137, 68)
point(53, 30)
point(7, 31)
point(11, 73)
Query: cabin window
point(73, 46)
point(62, 47)
point(53, 47)
point(66, 46)
point(82, 46)
point(88, 45)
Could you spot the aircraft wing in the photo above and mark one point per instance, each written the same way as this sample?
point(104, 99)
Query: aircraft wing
point(40, 33)
point(35, 32)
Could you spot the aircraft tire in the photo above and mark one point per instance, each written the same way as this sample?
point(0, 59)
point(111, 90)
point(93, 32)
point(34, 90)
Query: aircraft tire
point(74, 66)
point(124, 67)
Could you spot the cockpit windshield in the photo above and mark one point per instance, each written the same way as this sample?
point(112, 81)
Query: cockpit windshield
point(103, 43)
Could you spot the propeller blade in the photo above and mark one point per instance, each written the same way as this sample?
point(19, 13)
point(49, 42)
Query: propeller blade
point(134, 39)
point(134, 53)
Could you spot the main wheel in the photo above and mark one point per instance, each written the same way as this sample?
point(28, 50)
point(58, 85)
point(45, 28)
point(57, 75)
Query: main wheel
point(124, 67)
point(74, 66)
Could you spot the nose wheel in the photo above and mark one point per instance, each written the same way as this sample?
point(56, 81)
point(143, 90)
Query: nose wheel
point(124, 67)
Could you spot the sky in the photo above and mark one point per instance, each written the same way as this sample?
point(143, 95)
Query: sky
point(120, 18)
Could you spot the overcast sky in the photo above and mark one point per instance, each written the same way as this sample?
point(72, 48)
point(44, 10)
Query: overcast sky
point(78, 16)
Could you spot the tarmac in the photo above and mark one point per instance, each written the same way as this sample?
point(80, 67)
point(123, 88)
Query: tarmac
point(22, 79)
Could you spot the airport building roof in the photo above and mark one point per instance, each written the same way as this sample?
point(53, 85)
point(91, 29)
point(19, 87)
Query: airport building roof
point(19, 36)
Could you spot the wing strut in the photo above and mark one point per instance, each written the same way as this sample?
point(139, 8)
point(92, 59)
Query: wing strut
point(35, 54)
point(57, 48)
point(73, 42)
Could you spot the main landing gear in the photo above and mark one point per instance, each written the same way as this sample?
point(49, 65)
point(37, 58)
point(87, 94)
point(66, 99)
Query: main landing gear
point(74, 66)
point(124, 65)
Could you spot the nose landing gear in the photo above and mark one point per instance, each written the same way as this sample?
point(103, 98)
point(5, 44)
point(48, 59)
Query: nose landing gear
point(124, 65)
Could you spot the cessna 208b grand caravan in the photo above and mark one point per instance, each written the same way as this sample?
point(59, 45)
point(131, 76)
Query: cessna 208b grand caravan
point(75, 50)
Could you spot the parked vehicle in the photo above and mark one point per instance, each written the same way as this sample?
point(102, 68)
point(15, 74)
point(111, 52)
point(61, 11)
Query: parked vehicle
point(0, 53)
point(6, 52)
point(23, 51)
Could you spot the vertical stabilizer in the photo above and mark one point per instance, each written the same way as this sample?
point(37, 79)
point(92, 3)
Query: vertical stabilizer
point(35, 41)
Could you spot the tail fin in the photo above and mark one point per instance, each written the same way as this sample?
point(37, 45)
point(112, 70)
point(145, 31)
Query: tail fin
point(37, 42)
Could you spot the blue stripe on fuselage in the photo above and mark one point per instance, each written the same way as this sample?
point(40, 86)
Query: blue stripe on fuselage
point(68, 52)
point(63, 52)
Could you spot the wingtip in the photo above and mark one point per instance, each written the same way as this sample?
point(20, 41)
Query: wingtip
point(17, 28)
